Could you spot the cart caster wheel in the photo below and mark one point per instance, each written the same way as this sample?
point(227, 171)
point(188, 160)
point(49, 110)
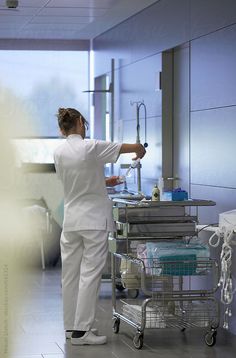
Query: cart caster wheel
point(133, 293)
point(120, 287)
point(210, 338)
point(116, 325)
point(138, 340)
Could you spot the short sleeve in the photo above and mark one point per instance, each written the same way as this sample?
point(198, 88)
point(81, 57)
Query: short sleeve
point(107, 152)
point(57, 167)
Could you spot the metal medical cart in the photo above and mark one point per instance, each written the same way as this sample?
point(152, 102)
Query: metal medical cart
point(173, 290)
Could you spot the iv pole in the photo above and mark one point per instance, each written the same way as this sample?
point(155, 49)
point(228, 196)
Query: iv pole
point(140, 104)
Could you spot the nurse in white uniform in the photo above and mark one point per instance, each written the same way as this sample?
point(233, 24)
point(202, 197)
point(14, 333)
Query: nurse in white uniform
point(88, 219)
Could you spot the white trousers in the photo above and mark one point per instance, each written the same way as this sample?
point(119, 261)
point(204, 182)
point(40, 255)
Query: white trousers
point(84, 255)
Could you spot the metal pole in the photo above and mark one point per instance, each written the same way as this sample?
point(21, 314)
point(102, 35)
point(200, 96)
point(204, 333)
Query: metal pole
point(112, 106)
point(138, 105)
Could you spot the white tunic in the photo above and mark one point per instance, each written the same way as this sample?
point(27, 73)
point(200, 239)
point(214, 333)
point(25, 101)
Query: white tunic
point(80, 166)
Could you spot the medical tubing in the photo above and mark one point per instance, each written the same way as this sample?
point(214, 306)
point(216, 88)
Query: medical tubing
point(225, 281)
point(133, 165)
point(227, 291)
point(217, 243)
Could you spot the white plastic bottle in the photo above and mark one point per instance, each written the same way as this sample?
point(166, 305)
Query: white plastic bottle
point(155, 193)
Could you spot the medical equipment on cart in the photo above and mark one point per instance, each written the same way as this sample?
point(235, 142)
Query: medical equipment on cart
point(176, 285)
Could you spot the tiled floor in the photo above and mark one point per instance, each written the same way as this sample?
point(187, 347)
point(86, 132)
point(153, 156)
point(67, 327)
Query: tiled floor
point(39, 330)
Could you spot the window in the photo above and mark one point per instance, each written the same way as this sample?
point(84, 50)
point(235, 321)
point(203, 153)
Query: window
point(33, 85)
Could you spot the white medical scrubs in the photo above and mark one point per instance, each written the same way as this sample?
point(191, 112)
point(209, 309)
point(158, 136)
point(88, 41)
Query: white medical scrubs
point(87, 221)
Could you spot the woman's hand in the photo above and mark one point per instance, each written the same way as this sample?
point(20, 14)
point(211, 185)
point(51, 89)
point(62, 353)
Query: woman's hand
point(136, 148)
point(113, 181)
point(140, 151)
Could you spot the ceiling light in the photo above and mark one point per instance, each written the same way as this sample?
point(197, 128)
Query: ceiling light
point(12, 4)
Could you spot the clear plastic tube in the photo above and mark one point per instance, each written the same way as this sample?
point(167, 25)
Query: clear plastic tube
point(132, 166)
point(128, 173)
